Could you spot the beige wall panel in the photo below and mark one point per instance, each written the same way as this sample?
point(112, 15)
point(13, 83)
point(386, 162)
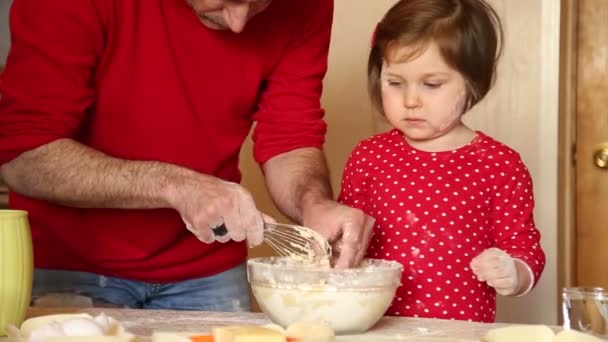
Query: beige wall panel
point(349, 111)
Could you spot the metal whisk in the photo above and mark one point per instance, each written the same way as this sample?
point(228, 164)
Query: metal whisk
point(296, 241)
point(292, 241)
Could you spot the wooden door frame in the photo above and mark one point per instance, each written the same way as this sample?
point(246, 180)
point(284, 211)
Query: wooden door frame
point(566, 242)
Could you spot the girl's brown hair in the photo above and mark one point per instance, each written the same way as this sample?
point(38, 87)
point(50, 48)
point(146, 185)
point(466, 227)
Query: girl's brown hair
point(467, 32)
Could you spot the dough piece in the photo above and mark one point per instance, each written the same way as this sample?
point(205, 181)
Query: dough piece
point(36, 323)
point(70, 328)
point(275, 327)
point(173, 336)
point(303, 332)
point(310, 332)
point(575, 336)
point(520, 333)
point(87, 339)
point(247, 333)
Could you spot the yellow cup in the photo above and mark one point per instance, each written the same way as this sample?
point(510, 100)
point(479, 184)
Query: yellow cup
point(16, 267)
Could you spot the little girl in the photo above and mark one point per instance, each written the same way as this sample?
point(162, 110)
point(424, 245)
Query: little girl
point(453, 205)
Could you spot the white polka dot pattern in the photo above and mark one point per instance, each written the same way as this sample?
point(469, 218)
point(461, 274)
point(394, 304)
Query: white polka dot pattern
point(436, 211)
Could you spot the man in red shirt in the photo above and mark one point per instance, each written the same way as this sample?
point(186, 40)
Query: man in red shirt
point(121, 124)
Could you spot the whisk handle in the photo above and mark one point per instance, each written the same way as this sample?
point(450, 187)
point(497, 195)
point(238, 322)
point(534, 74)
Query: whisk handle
point(220, 231)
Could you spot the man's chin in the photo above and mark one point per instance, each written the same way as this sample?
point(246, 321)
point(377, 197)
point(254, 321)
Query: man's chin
point(211, 24)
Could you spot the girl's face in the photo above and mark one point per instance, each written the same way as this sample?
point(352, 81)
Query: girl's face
point(424, 98)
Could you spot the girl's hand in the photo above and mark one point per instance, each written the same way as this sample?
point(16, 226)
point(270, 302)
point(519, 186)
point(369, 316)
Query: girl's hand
point(498, 269)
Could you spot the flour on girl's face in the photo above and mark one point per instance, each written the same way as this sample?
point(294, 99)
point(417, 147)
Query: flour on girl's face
point(453, 117)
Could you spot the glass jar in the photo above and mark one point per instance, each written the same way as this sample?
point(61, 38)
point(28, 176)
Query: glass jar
point(586, 309)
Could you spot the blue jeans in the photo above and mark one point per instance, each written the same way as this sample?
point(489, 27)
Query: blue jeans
point(226, 291)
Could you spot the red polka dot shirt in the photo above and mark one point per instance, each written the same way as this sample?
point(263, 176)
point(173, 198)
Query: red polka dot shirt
point(436, 211)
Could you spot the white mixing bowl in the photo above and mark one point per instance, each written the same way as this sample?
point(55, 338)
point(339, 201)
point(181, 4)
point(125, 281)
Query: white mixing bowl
point(350, 300)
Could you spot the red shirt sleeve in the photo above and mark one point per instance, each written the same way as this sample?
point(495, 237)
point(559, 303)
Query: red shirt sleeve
point(289, 115)
point(47, 85)
point(514, 229)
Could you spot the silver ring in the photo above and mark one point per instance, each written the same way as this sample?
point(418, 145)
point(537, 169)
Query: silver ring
point(220, 230)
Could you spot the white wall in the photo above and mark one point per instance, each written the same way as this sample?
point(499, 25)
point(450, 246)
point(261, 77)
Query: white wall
point(4, 46)
point(4, 35)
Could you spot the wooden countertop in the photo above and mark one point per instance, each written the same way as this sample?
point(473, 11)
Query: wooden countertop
point(144, 322)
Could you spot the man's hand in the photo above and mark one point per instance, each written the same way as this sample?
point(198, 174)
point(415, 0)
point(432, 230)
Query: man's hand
point(206, 203)
point(87, 178)
point(347, 229)
point(498, 269)
point(298, 182)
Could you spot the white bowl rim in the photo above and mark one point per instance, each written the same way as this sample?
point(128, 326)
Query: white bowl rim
point(386, 266)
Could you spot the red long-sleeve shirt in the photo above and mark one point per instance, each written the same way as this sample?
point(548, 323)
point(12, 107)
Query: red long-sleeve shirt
point(435, 212)
point(145, 80)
